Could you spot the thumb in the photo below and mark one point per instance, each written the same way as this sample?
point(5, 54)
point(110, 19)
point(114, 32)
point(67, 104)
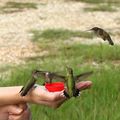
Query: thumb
point(14, 109)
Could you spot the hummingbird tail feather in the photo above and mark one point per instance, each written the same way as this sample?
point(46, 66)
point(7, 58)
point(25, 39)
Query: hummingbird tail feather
point(109, 39)
point(23, 93)
point(21, 89)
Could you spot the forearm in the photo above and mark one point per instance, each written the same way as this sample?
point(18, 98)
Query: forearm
point(10, 95)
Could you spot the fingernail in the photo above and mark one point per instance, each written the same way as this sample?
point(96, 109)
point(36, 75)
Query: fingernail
point(62, 95)
point(18, 110)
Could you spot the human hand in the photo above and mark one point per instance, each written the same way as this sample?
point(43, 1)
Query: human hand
point(24, 115)
point(40, 95)
point(14, 112)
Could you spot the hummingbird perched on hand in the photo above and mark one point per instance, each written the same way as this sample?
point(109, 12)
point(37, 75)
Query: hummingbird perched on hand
point(71, 80)
point(70, 83)
point(102, 34)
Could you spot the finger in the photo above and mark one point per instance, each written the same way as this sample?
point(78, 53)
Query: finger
point(23, 106)
point(25, 115)
point(52, 96)
point(52, 104)
point(19, 117)
point(83, 85)
point(14, 109)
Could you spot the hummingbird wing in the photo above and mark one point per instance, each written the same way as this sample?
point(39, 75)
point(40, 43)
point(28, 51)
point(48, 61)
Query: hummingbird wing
point(41, 74)
point(58, 77)
point(106, 36)
point(51, 74)
point(27, 87)
point(100, 32)
point(83, 76)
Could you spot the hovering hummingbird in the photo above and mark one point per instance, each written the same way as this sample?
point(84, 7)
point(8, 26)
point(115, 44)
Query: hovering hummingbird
point(102, 34)
point(29, 84)
point(47, 76)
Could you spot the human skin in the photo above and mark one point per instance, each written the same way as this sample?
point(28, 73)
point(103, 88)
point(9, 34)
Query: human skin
point(14, 107)
point(15, 112)
point(38, 95)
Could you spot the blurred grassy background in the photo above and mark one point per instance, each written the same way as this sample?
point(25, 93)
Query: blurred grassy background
point(102, 101)
point(11, 7)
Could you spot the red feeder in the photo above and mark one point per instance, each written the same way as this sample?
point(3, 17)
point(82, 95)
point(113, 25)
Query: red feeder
point(54, 87)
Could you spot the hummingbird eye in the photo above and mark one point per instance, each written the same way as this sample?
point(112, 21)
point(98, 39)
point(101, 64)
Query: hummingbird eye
point(47, 74)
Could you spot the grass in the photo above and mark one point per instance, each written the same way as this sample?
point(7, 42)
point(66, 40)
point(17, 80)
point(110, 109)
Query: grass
point(20, 5)
point(100, 1)
point(90, 1)
point(58, 34)
point(10, 7)
point(103, 8)
point(101, 102)
point(104, 95)
point(48, 40)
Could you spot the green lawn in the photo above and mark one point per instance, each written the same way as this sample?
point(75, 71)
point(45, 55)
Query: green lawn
point(101, 102)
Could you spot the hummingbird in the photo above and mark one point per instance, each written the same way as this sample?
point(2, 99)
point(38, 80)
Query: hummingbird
point(71, 82)
point(102, 34)
point(47, 76)
point(29, 85)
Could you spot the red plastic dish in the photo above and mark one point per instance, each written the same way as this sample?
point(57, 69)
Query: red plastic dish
point(54, 87)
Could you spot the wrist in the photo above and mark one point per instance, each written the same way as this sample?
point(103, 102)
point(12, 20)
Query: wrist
point(32, 95)
point(28, 97)
point(11, 95)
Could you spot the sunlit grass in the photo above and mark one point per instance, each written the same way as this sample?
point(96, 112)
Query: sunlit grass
point(100, 1)
point(58, 34)
point(103, 8)
point(10, 7)
point(57, 48)
point(20, 5)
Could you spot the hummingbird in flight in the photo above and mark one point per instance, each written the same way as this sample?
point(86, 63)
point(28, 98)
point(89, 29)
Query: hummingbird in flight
point(47, 76)
point(102, 34)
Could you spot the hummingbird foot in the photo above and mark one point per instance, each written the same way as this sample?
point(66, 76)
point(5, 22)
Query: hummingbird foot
point(76, 93)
